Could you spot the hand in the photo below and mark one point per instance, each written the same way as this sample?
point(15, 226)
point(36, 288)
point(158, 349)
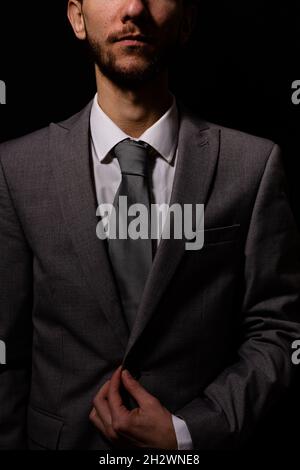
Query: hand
point(148, 425)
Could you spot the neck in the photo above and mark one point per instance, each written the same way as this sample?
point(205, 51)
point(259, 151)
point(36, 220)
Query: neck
point(134, 111)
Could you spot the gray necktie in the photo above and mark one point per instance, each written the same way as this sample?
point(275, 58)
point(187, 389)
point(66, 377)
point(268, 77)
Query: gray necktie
point(131, 258)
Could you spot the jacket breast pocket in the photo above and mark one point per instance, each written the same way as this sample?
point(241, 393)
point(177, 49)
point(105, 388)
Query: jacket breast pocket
point(217, 235)
point(43, 430)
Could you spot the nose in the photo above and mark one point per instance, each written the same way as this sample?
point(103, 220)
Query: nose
point(132, 9)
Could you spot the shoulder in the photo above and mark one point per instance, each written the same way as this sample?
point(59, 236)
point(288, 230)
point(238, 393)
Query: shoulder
point(245, 156)
point(230, 138)
point(241, 156)
point(236, 140)
point(239, 150)
point(29, 144)
point(34, 147)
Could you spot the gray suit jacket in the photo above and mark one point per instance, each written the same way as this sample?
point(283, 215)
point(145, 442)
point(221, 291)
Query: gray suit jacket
point(212, 338)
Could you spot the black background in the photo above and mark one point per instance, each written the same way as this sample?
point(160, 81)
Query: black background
point(238, 72)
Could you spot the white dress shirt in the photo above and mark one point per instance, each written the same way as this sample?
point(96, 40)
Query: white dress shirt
point(163, 138)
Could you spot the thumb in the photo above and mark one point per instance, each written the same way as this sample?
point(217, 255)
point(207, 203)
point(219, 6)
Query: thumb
point(138, 392)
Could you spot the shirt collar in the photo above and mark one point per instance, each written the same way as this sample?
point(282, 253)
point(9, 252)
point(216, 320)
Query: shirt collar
point(162, 135)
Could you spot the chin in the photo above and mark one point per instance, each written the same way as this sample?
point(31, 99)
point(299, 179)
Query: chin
point(133, 62)
point(135, 68)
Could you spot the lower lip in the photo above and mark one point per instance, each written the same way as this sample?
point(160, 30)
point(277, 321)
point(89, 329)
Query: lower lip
point(133, 42)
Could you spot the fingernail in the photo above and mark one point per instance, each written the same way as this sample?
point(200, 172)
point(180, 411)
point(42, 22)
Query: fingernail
point(127, 373)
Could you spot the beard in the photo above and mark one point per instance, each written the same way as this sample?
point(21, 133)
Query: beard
point(135, 76)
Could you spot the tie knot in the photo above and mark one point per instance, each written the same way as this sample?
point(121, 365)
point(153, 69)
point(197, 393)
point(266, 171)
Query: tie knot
point(132, 156)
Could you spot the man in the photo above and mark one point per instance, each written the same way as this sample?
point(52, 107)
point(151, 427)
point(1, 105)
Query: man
point(121, 343)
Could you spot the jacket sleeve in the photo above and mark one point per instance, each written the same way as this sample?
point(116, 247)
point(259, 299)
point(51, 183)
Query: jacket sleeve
point(15, 323)
point(230, 407)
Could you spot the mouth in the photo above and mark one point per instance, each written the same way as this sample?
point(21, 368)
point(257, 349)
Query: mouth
point(134, 40)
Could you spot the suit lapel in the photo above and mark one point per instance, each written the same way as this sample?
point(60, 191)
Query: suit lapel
point(72, 167)
point(198, 150)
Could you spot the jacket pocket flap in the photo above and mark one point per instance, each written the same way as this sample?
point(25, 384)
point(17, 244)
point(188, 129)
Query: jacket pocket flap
point(43, 428)
point(221, 234)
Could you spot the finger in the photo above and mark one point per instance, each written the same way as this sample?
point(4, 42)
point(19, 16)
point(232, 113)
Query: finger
point(107, 431)
point(115, 401)
point(97, 421)
point(139, 393)
point(101, 405)
point(103, 391)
